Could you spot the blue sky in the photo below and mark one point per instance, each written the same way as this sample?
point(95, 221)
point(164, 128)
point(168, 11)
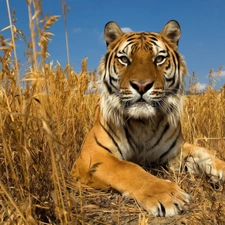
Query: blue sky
point(202, 22)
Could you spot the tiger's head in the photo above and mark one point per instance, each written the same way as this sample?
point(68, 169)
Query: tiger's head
point(142, 74)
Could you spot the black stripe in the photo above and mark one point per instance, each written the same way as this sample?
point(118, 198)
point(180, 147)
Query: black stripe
point(178, 63)
point(109, 59)
point(170, 108)
point(175, 90)
point(169, 79)
point(147, 47)
point(101, 145)
point(134, 48)
point(106, 58)
point(114, 79)
point(178, 59)
point(114, 70)
point(156, 128)
point(131, 35)
point(178, 66)
point(113, 140)
point(171, 146)
point(129, 139)
point(133, 131)
point(143, 37)
point(166, 128)
point(154, 43)
point(153, 36)
point(163, 51)
point(174, 75)
point(173, 81)
point(110, 128)
point(111, 79)
point(123, 52)
point(168, 67)
point(171, 136)
point(109, 89)
point(126, 97)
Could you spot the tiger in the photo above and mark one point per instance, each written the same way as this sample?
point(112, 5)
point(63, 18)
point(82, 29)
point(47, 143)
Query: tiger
point(138, 122)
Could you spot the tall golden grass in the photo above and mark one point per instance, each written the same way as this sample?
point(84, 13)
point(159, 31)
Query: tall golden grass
point(43, 124)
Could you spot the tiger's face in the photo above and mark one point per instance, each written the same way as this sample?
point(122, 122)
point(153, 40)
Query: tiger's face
point(142, 73)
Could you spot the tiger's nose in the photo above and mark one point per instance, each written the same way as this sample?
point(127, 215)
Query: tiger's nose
point(141, 86)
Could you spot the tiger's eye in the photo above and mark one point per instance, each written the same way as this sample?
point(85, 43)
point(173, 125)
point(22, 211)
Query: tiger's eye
point(124, 60)
point(159, 59)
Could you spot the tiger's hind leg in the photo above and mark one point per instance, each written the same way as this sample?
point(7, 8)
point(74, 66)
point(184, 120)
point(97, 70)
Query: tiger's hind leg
point(198, 159)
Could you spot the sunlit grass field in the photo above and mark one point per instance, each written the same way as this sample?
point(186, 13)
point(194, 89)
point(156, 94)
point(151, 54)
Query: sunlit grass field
point(43, 124)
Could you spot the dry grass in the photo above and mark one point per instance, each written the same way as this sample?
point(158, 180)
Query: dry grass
point(42, 127)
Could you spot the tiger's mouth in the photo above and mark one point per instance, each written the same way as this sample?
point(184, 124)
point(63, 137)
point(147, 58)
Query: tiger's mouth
point(153, 103)
point(141, 102)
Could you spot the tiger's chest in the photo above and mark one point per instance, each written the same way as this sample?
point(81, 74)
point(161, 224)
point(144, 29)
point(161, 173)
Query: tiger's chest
point(149, 141)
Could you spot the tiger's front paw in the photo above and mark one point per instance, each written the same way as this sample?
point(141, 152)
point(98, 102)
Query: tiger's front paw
point(163, 198)
point(201, 160)
point(207, 163)
point(216, 170)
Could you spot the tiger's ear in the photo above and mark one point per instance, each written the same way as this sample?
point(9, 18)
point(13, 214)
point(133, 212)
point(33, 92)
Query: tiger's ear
point(172, 31)
point(111, 32)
